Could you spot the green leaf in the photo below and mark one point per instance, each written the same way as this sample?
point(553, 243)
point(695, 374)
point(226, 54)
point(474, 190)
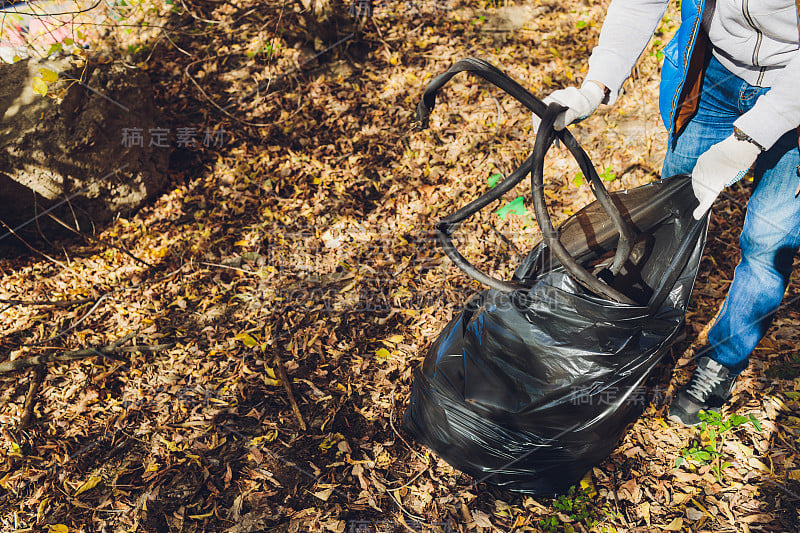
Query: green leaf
point(756, 423)
point(493, 180)
point(514, 207)
point(737, 420)
point(702, 456)
point(580, 24)
point(608, 174)
point(39, 86)
point(55, 47)
point(578, 179)
point(659, 55)
point(48, 75)
point(68, 41)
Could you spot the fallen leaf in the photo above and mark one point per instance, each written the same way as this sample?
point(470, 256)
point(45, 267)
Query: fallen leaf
point(644, 508)
point(89, 484)
point(675, 525)
point(693, 514)
point(324, 494)
point(481, 519)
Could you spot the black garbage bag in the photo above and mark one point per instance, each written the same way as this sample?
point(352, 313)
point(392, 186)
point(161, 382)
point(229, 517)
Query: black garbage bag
point(535, 381)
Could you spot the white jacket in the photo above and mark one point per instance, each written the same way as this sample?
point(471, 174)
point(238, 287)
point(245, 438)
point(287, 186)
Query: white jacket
point(757, 40)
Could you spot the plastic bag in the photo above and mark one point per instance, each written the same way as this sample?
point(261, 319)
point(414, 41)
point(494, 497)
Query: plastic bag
point(535, 381)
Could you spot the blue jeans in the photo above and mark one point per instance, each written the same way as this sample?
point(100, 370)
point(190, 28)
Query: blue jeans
point(771, 232)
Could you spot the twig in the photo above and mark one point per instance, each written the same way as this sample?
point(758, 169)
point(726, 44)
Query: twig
point(39, 374)
point(391, 423)
point(72, 326)
point(282, 374)
point(55, 303)
point(106, 351)
point(99, 240)
point(285, 380)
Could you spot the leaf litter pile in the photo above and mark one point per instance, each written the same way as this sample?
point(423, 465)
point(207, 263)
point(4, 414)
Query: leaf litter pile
point(237, 355)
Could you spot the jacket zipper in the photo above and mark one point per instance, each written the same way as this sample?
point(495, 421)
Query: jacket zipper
point(687, 53)
point(759, 35)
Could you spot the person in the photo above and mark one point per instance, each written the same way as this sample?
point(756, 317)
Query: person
point(728, 98)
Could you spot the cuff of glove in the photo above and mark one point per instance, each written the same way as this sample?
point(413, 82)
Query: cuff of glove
point(596, 92)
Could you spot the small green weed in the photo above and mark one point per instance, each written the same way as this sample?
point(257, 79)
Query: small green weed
point(576, 508)
point(708, 449)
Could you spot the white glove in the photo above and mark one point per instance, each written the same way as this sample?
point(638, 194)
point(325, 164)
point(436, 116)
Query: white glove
point(580, 103)
point(723, 164)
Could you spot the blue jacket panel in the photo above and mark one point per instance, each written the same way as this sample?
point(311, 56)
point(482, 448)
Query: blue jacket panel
point(676, 61)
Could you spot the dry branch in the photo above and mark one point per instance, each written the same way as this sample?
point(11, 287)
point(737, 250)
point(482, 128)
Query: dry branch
point(285, 380)
point(56, 303)
point(278, 326)
point(111, 351)
point(39, 374)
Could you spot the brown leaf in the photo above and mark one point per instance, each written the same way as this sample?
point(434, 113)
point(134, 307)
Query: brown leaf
point(481, 519)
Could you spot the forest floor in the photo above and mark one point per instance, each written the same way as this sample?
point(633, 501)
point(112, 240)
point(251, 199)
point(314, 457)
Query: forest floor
point(303, 244)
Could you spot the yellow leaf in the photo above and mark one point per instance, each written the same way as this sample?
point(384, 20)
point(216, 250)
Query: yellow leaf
point(240, 243)
point(383, 353)
point(90, 484)
point(200, 516)
point(329, 441)
point(397, 339)
point(48, 75)
point(324, 494)
point(58, 528)
point(675, 525)
point(588, 485)
point(271, 382)
point(173, 446)
point(40, 510)
point(39, 86)
point(246, 339)
point(152, 467)
point(755, 463)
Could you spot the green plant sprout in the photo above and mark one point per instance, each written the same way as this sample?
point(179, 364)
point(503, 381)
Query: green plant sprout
point(514, 207)
point(713, 430)
point(493, 180)
point(576, 508)
point(608, 174)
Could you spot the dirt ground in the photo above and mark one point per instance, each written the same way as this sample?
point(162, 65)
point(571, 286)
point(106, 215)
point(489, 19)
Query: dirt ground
point(302, 243)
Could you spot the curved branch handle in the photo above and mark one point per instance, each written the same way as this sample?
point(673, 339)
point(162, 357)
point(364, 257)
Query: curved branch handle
point(448, 225)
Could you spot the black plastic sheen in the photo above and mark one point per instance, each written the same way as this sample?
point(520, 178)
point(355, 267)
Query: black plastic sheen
point(535, 381)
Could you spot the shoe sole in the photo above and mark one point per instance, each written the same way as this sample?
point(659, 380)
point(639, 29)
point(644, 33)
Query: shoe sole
point(677, 418)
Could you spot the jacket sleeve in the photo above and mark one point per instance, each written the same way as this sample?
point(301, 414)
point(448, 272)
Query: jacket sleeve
point(776, 111)
point(626, 31)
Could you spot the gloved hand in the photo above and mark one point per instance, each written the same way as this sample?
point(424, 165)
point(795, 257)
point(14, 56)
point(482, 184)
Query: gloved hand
point(723, 164)
point(580, 103)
